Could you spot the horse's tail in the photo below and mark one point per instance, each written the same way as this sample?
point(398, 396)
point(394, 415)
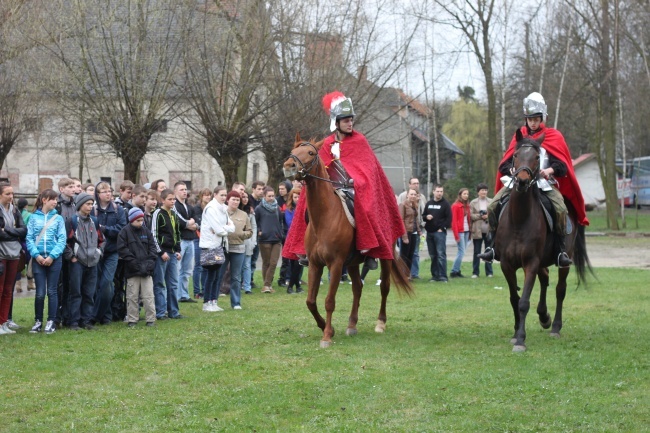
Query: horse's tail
point(399, 274)
point(580, 258)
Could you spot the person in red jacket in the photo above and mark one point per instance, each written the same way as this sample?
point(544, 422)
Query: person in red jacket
point(461, 225)
point(351, 161)
point(555, 165)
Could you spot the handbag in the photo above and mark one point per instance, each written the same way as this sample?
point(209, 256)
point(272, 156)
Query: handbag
point(212, 256)
point(30, 271)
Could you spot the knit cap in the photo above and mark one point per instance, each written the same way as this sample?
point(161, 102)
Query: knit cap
point(81, 199)
point(135, 213)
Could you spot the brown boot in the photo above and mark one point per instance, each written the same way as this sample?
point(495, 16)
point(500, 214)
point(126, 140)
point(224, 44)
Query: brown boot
point(18, 287)
point(30, 284)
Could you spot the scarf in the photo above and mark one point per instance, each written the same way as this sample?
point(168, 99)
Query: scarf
point(271, 207)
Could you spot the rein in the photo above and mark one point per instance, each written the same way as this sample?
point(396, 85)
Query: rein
point(304, 171)
point(533, 174)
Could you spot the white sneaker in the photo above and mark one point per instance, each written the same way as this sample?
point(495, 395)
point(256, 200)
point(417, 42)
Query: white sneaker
point(237, 307)
point(215, 307)
point(12, 324)
point(36, 328)
point(378, 283)
point(474, 276)
point(207, 307)
point(2, 330)
point(49, 327)
point(6, 329)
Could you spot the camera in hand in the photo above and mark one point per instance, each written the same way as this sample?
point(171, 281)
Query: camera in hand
point(482, 212)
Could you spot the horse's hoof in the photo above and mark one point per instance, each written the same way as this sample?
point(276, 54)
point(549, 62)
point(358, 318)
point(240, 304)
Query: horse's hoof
point(546, 324)
point(325, 344)
point(518, 348)
point(555, 334)
point(381, 327)
point(513, 341)
point(351, 331)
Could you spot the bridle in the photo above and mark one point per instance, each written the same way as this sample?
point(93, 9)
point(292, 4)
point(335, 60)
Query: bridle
point(532, 173)
point(305, 170)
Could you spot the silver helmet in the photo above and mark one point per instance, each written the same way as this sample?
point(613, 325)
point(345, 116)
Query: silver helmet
point(535, 106)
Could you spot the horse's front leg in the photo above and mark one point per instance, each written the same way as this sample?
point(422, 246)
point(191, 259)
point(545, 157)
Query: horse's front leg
point(542, 309)
point(315, 274)
point(385, 290)
point(510, 275)
point(335, 269)
point(524, 305)
point(560, 293)
point(357, 286)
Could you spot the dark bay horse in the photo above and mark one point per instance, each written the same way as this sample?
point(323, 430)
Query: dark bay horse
point(330, 241)
point(523, 240)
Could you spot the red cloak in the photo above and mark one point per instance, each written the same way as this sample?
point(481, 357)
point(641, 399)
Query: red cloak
point(378, 222)
point(555, 145)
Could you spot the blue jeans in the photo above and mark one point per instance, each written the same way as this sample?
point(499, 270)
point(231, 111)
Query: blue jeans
point(165, 280)
point(236, 261)
point(246, 274)
point(198, 269)
point(211, 290)
point(415, 263)
point(81, 295)
point(437, 246)
point(104, 294)
point(476, 262)
point(462, 244)
point(185, 268)
point(47, 281)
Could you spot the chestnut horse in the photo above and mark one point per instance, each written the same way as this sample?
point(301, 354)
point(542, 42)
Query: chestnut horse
point(330, 241)
point(523, 240)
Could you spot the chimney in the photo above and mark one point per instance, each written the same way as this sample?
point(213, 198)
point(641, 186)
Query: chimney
point(363, 73)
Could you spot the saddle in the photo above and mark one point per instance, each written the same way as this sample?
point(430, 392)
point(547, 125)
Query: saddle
point(545, 203)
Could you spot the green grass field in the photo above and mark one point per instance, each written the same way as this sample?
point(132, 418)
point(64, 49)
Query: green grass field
point(636, 220)
point(444, 365)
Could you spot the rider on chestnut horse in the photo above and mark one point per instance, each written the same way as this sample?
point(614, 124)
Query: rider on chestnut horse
point(556, 168)
point(353, 167)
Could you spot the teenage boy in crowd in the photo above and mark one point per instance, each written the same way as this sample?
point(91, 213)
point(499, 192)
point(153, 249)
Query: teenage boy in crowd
point(66, 208)
point(111, 218)
point(137, 250)
point(167, 237)
point(126, 192)
point(257, 195)
point(77, 186)
point(83, 252)
point(150, 205)
point(188, 227)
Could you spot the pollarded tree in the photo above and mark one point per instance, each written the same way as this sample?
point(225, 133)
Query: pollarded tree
point(228, 55)
point(114, 63)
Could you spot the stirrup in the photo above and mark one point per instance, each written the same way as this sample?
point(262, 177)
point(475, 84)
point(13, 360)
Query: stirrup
point(487, 255)
point(563, 260)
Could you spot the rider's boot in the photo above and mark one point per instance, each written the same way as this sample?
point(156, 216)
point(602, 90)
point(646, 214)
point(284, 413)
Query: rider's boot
point(303, 260)
point(563, 260)
point(488, 255)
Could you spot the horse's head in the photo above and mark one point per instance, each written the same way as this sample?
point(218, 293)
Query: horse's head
point(303, 158)
point(526, 161)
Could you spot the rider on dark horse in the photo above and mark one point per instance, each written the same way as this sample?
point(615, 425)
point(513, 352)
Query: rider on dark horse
point(353, 167)
point(557, 178)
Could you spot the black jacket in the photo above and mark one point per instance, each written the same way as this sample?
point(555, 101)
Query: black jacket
point(137, 250)
point(17, 233)
point(166, 232)
point(441, 213)
point(185, 215)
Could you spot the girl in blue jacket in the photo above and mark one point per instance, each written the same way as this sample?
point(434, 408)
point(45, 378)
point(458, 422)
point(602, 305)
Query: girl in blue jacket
point(46, 240)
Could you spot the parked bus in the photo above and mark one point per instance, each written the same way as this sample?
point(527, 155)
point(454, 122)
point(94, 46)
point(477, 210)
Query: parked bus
point(640, 177)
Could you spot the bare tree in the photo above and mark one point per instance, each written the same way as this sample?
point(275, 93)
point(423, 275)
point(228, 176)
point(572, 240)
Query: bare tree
point(116, 64)
point(229, 53)
point(475, 19)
